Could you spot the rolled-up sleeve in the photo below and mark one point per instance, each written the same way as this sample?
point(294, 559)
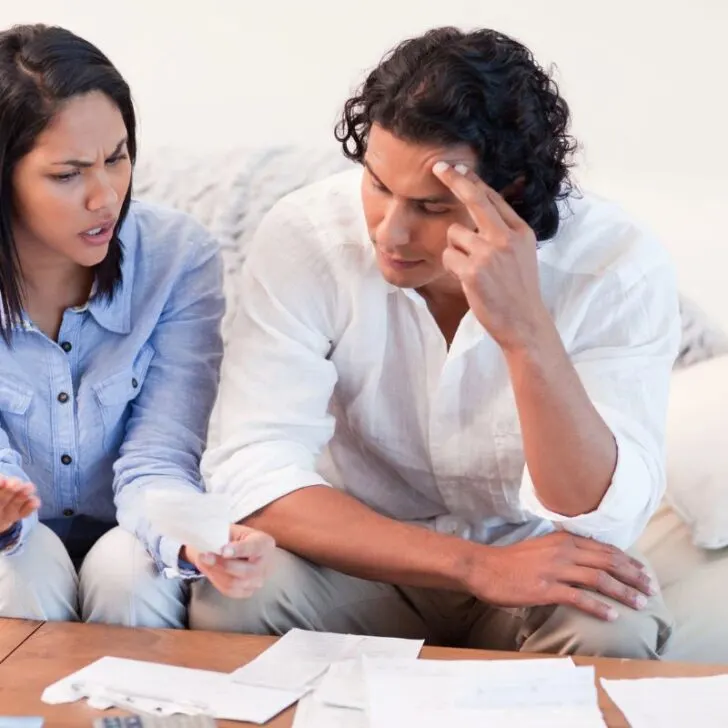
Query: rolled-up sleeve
point(277, 380)
point(167, 429)
point(624, 353)
point(11, 466)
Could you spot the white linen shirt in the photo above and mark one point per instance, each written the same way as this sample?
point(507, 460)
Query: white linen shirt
point(336, 377)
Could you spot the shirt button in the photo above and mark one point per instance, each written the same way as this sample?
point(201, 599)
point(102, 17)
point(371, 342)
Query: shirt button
point(66, 459)
point(68, 512)
point(63, 397)
point(134, 383)
point(66, 346)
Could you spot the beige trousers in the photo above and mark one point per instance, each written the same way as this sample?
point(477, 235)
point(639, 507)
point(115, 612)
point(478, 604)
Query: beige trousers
point(301, 594)
point(118, 583)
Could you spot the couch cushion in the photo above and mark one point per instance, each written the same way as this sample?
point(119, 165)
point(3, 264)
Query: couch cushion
point(702, 338)
point(697, 458)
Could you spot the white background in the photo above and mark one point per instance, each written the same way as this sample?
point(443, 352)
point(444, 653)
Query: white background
point(646, 79)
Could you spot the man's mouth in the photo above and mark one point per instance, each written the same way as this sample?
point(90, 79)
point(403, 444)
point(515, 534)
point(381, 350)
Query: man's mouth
point(399, 262)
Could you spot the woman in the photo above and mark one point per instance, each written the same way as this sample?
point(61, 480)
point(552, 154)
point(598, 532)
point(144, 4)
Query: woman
point(109, 357)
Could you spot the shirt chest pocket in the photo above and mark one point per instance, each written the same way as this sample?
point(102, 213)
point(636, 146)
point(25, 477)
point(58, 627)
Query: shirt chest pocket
point(116, 394)
point(15, 403)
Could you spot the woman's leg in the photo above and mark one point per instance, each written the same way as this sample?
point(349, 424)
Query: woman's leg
point(39, 582)
point(120, 584)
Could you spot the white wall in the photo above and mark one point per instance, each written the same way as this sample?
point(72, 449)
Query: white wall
point(646, 80)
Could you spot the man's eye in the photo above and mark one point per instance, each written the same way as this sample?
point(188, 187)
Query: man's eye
point(430, 209)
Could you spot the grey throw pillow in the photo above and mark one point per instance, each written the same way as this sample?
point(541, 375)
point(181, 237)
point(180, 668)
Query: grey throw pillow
point(702, 338)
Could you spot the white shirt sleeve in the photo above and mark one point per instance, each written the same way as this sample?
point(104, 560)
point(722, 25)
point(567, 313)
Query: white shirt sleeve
point(624, 353)
point(277, 381)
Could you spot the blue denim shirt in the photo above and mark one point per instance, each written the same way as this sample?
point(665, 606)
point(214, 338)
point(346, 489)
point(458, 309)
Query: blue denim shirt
point(121, 402)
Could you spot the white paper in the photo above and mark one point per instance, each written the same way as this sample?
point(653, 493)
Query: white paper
point(672, 701)
point(296, 660)
point(343, 683)
point(200, 520)
point(493, 693)
point(167, 689)
point(312, 713)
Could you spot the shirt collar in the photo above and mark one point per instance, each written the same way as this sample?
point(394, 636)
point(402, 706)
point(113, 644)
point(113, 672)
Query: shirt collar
point(112, 314)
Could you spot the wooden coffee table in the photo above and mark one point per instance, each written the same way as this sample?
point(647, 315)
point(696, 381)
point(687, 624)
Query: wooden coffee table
point(33, 656)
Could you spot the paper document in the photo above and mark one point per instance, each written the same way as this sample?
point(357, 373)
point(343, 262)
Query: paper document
point(493, 693)
point(672, 701)
point(201, 520)
point(166, 689)
point(312, 713)
point(300, 657)
point(343, 683)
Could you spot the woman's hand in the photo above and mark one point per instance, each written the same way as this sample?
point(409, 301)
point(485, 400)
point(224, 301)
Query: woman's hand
point(17, 501)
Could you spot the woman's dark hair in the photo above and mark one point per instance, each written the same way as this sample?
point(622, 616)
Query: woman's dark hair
point(41, 68)
point(482, 89)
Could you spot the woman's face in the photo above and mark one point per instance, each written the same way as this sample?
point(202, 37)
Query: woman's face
point(69, 189)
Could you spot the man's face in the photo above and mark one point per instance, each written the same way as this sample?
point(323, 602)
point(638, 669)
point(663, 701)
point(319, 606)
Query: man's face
point(408, 210)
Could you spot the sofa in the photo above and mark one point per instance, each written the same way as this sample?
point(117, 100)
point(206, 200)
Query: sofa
point(687, 539)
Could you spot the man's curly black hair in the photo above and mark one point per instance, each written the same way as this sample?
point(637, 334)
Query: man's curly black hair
point(483, 89)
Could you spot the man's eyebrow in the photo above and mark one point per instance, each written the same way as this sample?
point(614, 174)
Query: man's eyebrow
point(81, 163)
point(446, 198)
point(374, 174)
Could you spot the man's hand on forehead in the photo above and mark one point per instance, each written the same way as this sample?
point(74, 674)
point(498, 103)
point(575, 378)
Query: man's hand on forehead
point(496, 263)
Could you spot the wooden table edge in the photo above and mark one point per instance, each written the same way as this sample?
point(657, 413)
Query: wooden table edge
point(22, 629)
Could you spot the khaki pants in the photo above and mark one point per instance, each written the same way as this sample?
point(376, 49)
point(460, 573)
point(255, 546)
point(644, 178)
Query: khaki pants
point(118, 583)
point(301, 594)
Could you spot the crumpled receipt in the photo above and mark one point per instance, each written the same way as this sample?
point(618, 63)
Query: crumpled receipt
point(200, 520)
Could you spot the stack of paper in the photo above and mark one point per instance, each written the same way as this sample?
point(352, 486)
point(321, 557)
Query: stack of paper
point(299, 658)
point(255, 693)
point(672, 701)
point(149, 687)
point(329, 666)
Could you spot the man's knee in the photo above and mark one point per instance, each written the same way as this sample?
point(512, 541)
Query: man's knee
point(635, 634)
point(39, 582)
point(120, 584)
point(281, 604)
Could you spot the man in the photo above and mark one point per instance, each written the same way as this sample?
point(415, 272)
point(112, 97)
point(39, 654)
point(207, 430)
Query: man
point(446, 394)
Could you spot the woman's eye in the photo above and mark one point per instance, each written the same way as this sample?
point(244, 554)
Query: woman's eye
point(67, 176)
point(116, 160)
